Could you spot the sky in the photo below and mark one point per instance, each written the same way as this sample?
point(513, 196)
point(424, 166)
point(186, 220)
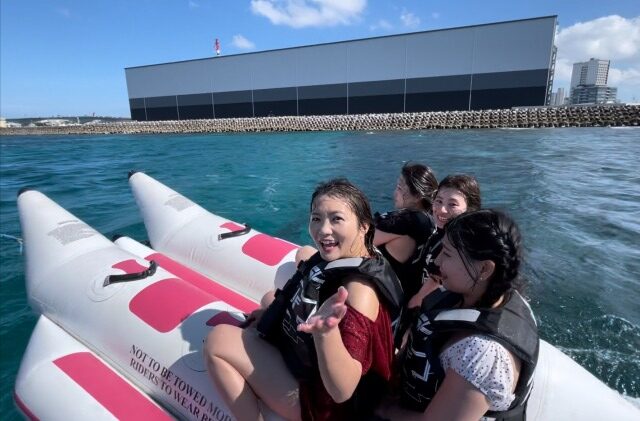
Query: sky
point(67, 57)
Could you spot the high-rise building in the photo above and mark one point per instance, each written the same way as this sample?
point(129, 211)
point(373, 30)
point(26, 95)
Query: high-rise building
point(589, 83)
point(557, 98)
point(593, 94)
point(592, 72)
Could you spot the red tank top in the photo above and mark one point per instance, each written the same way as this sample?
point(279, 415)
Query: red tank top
point(370, 343)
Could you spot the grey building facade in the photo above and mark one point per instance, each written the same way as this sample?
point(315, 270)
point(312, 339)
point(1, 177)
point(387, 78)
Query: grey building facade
point(592, 94)
point(498, 65)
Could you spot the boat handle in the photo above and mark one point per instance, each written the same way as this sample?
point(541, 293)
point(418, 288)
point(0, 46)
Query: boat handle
point(112, 279)
point(232, 234)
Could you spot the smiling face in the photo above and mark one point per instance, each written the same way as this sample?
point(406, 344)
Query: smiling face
point(470, 280)
point(335, 229)
point(448, 204)
point(402, 197)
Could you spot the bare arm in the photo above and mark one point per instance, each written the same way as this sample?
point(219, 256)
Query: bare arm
point(381, 237)
point(339, 371)
point(471, 404)
point(456, 400)
point(429, 285)
point(401, 247)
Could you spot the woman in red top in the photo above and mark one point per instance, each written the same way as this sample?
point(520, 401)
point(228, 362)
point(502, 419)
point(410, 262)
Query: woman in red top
point(347, 336)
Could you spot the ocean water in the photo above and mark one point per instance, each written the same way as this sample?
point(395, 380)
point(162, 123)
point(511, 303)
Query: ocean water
point(574, 192)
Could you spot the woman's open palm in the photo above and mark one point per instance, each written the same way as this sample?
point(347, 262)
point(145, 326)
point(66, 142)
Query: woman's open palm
point(328, 315)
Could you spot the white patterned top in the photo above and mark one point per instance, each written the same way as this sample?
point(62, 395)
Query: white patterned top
point(485, 364)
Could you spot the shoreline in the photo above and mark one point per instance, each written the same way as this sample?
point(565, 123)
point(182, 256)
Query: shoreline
point(530, 117)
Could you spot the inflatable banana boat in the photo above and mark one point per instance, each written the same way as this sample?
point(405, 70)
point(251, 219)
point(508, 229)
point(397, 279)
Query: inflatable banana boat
point(122, 325)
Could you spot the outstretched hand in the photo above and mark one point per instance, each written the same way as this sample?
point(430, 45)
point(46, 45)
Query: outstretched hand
point(328, 315)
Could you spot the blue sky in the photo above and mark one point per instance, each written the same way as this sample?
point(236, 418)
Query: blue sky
point(67, 57)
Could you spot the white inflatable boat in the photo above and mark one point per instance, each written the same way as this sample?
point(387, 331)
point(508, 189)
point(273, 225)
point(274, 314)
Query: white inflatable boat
point(110, 348)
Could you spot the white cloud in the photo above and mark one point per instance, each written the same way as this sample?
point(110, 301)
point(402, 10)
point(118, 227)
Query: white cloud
point(381, 24)
point(409, 19)
point(193, 4)
point(624, 77)
point(306, 13)
point(242, 43)
point(612, 38)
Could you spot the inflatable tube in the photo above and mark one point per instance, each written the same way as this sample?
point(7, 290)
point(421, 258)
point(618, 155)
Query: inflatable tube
point(61, 379)
point(562, 388)
point(193, 236)
point(150, 330)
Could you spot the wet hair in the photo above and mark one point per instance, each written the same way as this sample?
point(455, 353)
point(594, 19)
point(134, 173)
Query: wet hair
point(467, 185)
point(421, 182)
point(342, 188)
point(489, 235)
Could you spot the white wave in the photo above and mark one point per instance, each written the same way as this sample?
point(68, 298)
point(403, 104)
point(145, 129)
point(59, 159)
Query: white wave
point(11, 237)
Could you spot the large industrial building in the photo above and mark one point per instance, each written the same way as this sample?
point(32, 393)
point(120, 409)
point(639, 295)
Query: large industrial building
point(497, 65)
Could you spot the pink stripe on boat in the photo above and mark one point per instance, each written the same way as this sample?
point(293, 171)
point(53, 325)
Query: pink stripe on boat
point(223, 318)
point(232, 226)
point(26, 411)
point(166, 303)
point(129, 266)
point(108, 388)
point(266, 249)
point(205, 284)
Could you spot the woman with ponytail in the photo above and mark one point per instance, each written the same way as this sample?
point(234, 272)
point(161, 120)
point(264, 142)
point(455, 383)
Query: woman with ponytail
point(402, 233)
point(473, 349)
point(323, 349)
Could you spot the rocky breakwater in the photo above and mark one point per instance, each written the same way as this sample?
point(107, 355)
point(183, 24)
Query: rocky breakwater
point(530, 117)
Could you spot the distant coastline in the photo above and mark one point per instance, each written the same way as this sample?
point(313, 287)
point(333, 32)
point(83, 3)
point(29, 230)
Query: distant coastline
point(530, 117)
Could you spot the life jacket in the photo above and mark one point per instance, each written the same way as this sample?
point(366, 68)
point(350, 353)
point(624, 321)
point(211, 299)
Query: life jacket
point(319, 281)
point(419, 226)
point(512, 324)
point(429, 251)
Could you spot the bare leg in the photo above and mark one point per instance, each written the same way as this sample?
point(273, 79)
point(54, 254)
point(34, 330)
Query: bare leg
point(304, 253)
point(267, 298)
point(246, 368)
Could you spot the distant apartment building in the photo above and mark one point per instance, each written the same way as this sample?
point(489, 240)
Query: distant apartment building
point(589, 83)
point(594, 95)
point(557, 98)
point(592, 72)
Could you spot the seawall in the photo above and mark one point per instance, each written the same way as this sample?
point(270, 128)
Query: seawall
point(533, 117)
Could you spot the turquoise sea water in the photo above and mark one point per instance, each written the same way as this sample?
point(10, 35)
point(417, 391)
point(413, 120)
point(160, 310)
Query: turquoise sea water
point(574, 192)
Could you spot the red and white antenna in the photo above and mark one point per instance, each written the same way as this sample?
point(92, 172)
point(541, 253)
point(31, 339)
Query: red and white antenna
point(217, 47)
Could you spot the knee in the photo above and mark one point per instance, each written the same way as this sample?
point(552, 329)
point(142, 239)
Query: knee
point(304, 253)
point(217, 342)
point(267, 299)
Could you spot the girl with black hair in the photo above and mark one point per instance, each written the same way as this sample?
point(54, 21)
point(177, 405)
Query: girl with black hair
point(327, 353)
point(473, 349)
point(456, 194)
point(401, 233)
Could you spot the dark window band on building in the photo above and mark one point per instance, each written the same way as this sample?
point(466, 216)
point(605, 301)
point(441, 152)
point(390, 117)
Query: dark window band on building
point(162, 108)
point(195, 106)
point(444, 93)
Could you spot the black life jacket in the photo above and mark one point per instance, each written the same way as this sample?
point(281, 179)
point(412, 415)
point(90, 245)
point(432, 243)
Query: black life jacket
point(419, 226)
point(319, 281)
point(429, 251)
point(512, 325)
